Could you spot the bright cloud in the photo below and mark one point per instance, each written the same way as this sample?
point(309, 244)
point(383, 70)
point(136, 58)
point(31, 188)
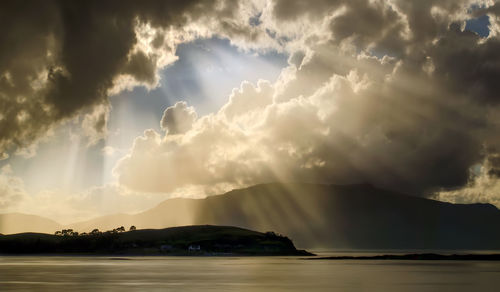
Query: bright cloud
point(386, 99)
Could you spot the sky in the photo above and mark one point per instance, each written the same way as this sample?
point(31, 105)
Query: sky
point(114, 106)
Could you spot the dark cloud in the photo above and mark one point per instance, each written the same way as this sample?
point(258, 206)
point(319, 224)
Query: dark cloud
point(290, 10)
point(436, 124)
point(469, 66)
point(59, 58)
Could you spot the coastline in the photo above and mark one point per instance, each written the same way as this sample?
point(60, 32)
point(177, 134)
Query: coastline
point(417, 257)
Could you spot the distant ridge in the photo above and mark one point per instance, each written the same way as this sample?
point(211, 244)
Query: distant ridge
point(332, 216)
point(17, 222)
point(329, 216)
point(418, 257)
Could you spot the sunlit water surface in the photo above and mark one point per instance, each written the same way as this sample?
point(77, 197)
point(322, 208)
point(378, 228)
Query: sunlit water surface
point(242, 274)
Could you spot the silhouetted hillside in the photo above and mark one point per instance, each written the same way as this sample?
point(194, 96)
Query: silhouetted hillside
point(186, 240)
point(333, 216)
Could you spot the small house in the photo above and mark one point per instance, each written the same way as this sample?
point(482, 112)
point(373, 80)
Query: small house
point(194, 247)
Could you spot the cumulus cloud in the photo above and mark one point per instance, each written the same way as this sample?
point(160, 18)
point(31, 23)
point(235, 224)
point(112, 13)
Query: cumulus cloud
point(395, 93)
point(178, 119)
point(248, 98)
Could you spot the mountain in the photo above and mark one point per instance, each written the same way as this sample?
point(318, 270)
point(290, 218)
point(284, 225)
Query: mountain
point(16, 222)
point(330, 216)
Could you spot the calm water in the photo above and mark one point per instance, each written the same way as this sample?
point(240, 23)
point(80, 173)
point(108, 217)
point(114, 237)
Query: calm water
point(242, 274)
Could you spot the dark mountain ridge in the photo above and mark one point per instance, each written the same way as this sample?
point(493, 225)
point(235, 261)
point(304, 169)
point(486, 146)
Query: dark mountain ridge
point(331, 216)
point(315, 215)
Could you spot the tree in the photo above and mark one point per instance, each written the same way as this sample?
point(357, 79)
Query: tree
point(58, 233)
point(120, 229)
point(132, 228)
point(67, 232)
point(95, 232)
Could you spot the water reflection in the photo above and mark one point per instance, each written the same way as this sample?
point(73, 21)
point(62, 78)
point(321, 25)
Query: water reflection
point(242, 274)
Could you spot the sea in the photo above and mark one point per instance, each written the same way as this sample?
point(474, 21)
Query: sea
point(110, 273)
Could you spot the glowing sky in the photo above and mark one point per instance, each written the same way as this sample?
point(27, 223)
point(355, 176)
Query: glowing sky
point(204, 76)
point(115, 106)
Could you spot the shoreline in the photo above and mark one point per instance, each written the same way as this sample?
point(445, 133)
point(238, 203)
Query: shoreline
point(126, 256)
point(417, 257)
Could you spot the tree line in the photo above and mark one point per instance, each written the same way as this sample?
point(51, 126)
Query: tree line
point(71, 232)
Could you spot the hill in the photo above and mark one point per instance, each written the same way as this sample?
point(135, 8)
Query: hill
point(186, 240)
point(16, 222)
point(331, 216)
